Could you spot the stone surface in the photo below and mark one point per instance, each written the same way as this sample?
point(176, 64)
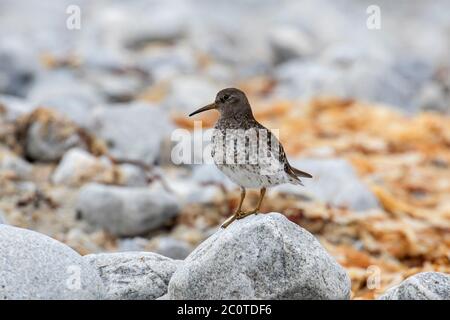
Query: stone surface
point(173, 248)
point(9, 162)
point(334, 182)
point(143, 124)
point(260, 257)
point(49, 135)
point(2, 217)
point(34, 266)
point(77, 166)
point(133, 275)
point(189, 93)
point(421, 286)
point(126, 211)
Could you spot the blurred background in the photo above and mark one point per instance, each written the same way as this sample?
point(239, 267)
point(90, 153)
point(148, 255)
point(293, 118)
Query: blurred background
point(91, 92)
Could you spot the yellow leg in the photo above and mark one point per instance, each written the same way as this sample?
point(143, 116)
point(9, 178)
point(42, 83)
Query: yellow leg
point(238, 211)
point(256, 210)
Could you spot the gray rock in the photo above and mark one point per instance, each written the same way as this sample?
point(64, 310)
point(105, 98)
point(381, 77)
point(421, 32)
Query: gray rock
point(17, 65)
point(351, 71)
point(164, 63)
point(132, 244)
point(126, 211)
point(2, 217)
point(133, 275)
point(173, 248)
point(15, 107)
point(70, 96)
point(421, 286)
point(334, 182)
point(12, 163)
point(190, 191)
point(188, 93)
point(260, 257)
point(78, 165)
point(133, 176)
point(288, 42)
point(210, 174)
point(122, 123)
point(49, 135)
point(34, 266)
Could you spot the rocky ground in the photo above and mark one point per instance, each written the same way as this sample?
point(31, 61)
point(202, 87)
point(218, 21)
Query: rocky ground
point(86, 119)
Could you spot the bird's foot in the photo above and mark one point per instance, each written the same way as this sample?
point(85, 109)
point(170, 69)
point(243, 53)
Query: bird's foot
point(243, 214)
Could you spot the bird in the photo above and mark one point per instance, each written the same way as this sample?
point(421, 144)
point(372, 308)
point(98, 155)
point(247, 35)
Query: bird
point(248, 153)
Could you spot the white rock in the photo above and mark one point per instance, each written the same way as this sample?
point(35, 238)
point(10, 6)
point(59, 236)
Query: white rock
point(2, 217)
point(260, 257)
point(12, 163)
point(48, 141)
point(126, 211)
point(288, 42)
point(188, 93)
point(15, 107)
point(421, 286)
point(78, 165)
point(173, 248)
point(133, 275)
point(143, 124)
point(34, 266)
point(334, 182)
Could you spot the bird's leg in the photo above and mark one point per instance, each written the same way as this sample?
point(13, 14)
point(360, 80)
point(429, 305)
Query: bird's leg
point(256, 210)
point(238, 211)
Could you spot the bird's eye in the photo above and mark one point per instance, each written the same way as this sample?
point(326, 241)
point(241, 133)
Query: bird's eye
point(225, 97)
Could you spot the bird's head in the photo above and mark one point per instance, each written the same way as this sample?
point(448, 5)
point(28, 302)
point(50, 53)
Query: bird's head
point(229, 101)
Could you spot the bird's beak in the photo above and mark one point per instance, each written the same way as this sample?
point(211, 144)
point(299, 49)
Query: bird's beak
point(205, 108)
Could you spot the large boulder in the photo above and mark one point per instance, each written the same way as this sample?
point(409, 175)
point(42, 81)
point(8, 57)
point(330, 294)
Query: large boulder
point(125, 211)
point(34, 266)
point(134, 275)
point(263, 256)
point(421, 286)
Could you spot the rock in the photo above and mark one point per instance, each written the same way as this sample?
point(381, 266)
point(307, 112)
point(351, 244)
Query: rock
point(173, 248)
point(34, 266)
point(421, 286)
point(334, 182)
point(17, 65)
point(260, 257)
point(132, 244)
point(12, 163)
point(289, 42)
point(210, 174)
point(49, 136)
point(188, 93)
point(166, 62)
point(350, 71)
point(78, 167)
point(132, 175)
point(118, 85)
point(146, 125)
point(133, 275)
point(70, 96)
point(191, 192)
point(125, 211)
point(14, 106)
point(2, 217)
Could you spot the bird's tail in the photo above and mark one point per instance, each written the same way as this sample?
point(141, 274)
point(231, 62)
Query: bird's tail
point(300, 173)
